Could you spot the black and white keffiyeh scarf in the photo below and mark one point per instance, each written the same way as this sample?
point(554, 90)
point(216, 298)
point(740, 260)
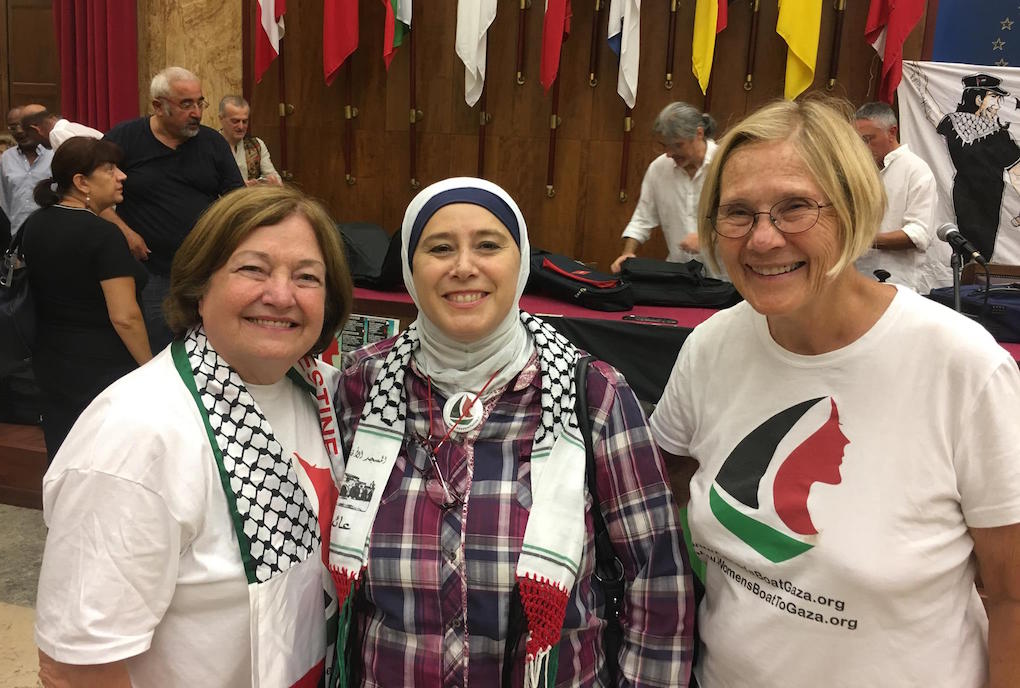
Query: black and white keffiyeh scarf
point(554, 537)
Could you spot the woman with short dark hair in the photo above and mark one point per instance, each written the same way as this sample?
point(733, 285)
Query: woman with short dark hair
point(85, 285)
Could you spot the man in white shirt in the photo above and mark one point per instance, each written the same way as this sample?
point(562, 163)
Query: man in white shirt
point(672, 185)
point(905, 245)
point(250, 152)
point(51, 130)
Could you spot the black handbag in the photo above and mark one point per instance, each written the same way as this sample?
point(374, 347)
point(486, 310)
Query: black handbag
point(565, 279)
point(680, 285)
point(17, 309)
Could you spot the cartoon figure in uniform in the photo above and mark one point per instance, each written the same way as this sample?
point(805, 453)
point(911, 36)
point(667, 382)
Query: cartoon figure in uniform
point(981, 148)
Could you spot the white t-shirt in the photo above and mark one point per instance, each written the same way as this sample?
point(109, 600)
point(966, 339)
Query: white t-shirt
point(142, 561)
point(834, 495)
point(912, 193)
point(669, 199)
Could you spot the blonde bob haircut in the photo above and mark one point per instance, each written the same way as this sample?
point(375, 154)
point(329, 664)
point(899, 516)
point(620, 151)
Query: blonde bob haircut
point(821, 132)
point(227, 223)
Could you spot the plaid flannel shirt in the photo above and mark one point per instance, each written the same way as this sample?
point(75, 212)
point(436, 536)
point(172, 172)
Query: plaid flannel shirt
point(439, 582)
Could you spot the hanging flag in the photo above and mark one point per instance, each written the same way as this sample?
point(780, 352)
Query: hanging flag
point(799, 23)
point(710, 18)
point(976, 33)
point(267, 40)
point(339, 34)
point(398, 22)
point(625, 41)
point(961, 119)
point(555, 29)
point(474, 17)
point(889, 23)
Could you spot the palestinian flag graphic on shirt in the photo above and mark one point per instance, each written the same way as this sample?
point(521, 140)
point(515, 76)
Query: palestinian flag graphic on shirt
point(734, 496)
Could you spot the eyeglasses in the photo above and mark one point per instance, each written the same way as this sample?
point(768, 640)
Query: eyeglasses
point(15, 127)
point(789, 216)
point(189, 104)
point(438, 490)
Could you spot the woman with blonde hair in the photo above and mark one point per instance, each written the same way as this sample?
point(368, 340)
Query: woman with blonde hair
point(855, 449)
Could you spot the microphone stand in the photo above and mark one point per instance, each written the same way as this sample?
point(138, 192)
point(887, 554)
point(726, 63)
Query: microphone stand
point(957, 264)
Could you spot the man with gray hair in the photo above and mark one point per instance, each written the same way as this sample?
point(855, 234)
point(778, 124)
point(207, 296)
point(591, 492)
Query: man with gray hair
point(176, 168)
point(250, 152)
point(907, 234)
point(672, 185)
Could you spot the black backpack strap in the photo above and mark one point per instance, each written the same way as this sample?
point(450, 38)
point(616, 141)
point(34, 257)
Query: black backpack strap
point(608, 567)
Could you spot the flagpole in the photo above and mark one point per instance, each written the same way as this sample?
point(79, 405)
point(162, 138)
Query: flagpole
point(752, 45)
point(285, 110)
point(521, 36)
point(554, 122)
point(350, 112)
point(593, 56)
point(671, 43)
point(837, 38)
point(415, 114)
point(628, 125)
point(483, 117)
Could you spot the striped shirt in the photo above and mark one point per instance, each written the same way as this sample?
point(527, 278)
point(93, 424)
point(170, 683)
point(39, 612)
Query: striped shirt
point(439, 582)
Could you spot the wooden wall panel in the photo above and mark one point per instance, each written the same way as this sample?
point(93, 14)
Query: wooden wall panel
point(200, 35)
point(585, 217)
point(31, 66)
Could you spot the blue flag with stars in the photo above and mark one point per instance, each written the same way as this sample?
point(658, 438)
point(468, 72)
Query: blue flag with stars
point(978, 32)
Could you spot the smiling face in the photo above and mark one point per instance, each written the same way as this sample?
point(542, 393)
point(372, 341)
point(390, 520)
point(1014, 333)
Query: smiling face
point(783, 276)
point(465, 271)
point(263, 309)
point(104, 186)
point(234, 121)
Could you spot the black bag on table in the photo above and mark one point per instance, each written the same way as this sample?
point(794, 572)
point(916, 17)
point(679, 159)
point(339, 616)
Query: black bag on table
point(571, 281)
point(17, 309)
point(661, 283)
point(373, 256)
point(1002, 316)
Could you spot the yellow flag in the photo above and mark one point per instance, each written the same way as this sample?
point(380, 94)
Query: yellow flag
point(799, 22)
point(706, 14)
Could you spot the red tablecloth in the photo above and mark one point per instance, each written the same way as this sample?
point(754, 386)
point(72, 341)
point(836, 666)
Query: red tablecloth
point(685, 317)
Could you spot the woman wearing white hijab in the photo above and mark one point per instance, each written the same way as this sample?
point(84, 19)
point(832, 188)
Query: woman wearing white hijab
point(464, 500)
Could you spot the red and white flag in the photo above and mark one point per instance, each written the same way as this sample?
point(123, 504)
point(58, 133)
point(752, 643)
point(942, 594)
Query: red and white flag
point(267, 39)
point(555, 30)
point(889, 23)
point(339, 34)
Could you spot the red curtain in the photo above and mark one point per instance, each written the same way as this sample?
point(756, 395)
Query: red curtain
point(98, 45)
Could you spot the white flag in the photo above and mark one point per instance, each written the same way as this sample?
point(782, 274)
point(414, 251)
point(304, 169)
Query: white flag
point(625, 41)
point(962, 119)
point(403, 14)
point(473, 20)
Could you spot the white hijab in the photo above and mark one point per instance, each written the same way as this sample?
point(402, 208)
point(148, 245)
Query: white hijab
point(455, 366)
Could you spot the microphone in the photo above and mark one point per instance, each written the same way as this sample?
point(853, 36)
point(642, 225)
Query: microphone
point(950, 234)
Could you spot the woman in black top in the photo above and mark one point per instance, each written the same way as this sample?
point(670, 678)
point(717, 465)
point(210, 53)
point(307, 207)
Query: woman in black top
point(85, 283)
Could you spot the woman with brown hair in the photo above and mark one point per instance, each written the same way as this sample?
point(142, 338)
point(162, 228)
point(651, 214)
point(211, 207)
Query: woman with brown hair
point(85, 285)
point(184, 544)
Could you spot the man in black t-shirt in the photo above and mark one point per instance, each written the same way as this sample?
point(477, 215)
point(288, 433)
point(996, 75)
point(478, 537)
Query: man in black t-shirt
point(176, 168)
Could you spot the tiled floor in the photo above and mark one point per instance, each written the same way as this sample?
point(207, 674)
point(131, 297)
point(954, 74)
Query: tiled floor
point(22, 534)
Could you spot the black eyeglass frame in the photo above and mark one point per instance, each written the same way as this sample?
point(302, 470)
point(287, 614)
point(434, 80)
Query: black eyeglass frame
point(432, 474)
point(714, 217)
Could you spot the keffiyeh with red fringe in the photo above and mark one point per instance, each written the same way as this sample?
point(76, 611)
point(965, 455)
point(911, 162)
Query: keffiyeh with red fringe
point(554, 536)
